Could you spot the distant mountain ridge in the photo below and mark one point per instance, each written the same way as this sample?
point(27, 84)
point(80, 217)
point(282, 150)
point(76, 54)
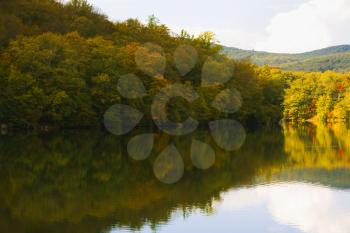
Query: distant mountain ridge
point(336, 58)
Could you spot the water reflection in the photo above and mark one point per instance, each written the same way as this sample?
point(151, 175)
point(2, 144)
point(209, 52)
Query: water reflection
point(289, 207)
point(291, 180)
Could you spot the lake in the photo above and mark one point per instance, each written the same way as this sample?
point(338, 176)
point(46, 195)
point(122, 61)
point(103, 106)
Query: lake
point(293, 179)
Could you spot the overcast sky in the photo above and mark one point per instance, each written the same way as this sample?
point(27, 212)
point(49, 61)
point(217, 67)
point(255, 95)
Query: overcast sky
point(269, 25)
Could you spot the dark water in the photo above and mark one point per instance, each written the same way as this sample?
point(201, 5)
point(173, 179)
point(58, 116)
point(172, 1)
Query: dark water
point(290, 180)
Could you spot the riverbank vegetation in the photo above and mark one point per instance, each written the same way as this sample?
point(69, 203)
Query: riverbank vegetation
point(318, 97)
point(60, 65)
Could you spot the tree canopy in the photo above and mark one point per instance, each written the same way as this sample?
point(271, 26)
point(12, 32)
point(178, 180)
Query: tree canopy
point(60, 65)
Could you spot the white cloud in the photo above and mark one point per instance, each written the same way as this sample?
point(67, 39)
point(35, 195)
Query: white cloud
point(314, 24)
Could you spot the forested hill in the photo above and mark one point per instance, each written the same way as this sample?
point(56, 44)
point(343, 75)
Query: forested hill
point(336, 58)
point(61, 66)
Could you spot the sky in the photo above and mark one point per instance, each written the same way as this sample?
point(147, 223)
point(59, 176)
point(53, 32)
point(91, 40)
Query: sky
point(290, 26)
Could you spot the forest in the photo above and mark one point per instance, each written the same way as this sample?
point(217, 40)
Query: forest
point(60, 65)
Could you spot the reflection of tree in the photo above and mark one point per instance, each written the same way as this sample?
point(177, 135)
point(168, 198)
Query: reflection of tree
point(86, 182)
point(318, 146)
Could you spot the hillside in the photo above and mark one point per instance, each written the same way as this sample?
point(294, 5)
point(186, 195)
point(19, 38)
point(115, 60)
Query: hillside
point(61, 64)
point(335, 58)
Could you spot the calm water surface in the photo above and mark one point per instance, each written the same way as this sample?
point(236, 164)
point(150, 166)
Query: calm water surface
point(287, 180)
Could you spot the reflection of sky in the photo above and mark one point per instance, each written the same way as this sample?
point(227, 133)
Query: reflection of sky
point(287, 208)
